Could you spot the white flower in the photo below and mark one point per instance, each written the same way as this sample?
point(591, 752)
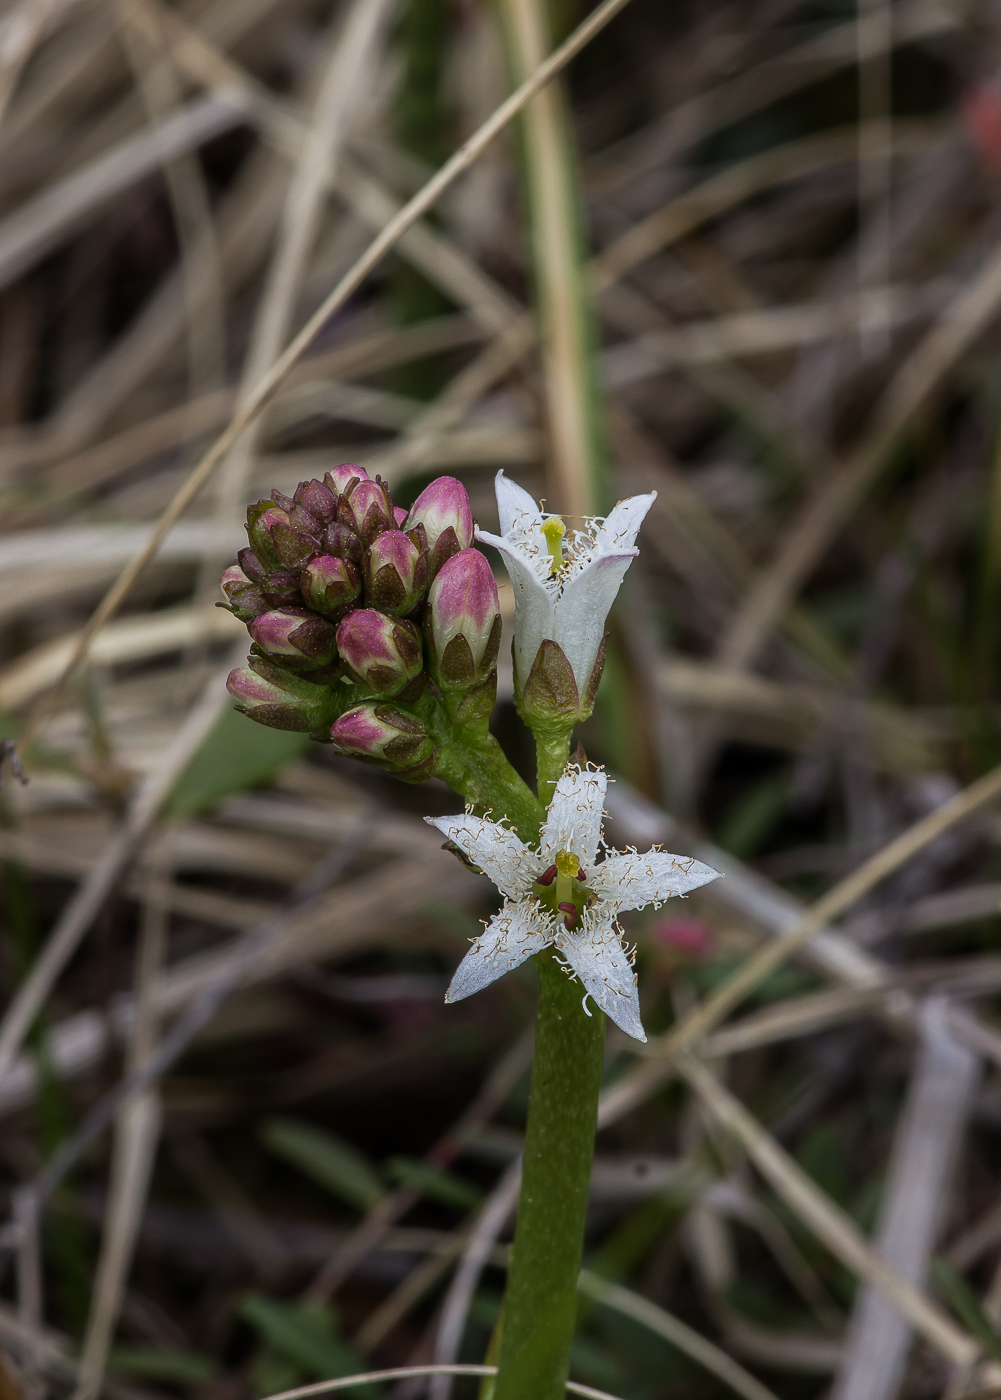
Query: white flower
point(562, 592)
point(558, 895)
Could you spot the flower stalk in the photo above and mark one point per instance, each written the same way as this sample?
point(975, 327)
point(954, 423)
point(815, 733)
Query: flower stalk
point(378, 631)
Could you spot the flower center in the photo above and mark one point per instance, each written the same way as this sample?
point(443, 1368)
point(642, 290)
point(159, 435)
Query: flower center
point(554, 530)
point(562, 889)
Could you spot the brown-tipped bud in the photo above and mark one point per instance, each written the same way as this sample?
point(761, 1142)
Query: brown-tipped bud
point(463, 621)
point(367, 509)
point(443, 511)
point(384, 653)
point(339, 480)
point(316, 501)
point(396, 573)
point(295, 639)
point(329, 584)
point(245, 599)
point(341, 541)
point(282, 539)
point(273, 697)
point(386, 735)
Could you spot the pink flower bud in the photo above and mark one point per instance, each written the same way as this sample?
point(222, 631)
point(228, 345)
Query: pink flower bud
point(399, 514)
point(383, 652)
point(444, 511)
point(329, 585)
point(338, 479)
point(367, 509)
point(245, 599)
point(281, 701)
point(383, 734)
point(463, 620)
point(396, 573)
point(689, 936)
point(317, 501)
point(295, 638)
point(282, 539)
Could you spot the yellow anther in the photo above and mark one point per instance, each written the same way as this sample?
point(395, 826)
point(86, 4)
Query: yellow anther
point(554, 530)
point(567, 863)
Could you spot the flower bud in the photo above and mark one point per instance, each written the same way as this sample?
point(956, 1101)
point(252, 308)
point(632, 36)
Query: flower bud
point(282, 539)
point(399, 515)
point(463, 621)
point(281, 701)
point(295, 638)
point(316, 501)
point(444, 511)
point(383, 652)
point(396, 573)
point(384, 734)
point(341, 541)
point(367, 509)
point(245, 598)
point(338, 479)
point(329, 585)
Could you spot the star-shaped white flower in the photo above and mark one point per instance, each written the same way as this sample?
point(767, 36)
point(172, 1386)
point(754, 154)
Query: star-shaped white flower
point(562, 592)
point(558, 895)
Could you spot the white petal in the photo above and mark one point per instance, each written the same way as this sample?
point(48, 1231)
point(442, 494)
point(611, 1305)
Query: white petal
point(575, 812)
point(597, 956)
point(495, 849)
point(631, 881)
point(618, 531)
point(507, 941)
point(534, 604)
point(515, 506)
point(582, 609)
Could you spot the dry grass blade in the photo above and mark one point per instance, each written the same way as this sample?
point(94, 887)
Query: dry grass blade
point(83, 908)
point(673, 1330)
point(932, 1122)
point(640, 1081)
point(265, 388)
point(402, 1372)
point(837, 1231)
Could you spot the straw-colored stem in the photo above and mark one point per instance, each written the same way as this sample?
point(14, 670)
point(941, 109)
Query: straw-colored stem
point(562, 286)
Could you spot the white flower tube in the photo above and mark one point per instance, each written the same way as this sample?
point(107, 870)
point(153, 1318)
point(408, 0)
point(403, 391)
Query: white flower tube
point(560, 896)
point(562, 591)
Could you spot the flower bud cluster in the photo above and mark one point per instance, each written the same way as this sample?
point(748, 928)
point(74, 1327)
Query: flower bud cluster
point(354, 606)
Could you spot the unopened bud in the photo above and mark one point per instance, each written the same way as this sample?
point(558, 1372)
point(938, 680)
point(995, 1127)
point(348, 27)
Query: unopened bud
point(396, 573)
point(367, 509)
point(444, 512)
point(386, 735)
point(329, 585)
point(341, 541)
point(245, 597)
point(281, 701)
point(338, 479)
point(295, 638)
point(282, 539)
point(463, 621)
point(316, 501)
point(383, 652)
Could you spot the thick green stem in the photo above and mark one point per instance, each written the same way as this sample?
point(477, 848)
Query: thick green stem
point(474, 764)
point(540, 1306)
point(552, 752)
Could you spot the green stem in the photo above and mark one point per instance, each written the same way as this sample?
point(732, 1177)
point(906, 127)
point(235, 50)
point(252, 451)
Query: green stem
point(552, 753)
point(474, 764)
point(540, 1306)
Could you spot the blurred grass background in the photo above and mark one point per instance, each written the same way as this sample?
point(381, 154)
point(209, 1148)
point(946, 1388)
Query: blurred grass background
point(743, 253)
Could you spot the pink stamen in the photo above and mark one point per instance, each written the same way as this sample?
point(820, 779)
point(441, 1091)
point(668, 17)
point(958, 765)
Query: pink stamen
point(548, 876)
point(571, 914)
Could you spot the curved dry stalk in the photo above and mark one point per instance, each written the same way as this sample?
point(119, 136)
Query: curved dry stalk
point(349, 283)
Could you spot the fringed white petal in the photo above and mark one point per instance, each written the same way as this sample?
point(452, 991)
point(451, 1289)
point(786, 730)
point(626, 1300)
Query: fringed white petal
point(574, 819)
point(534, 603)
point(617, 533)
point(495, 849)
point(631, 881)
point(515, 507)
point(511, 937)
point(597, 956)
